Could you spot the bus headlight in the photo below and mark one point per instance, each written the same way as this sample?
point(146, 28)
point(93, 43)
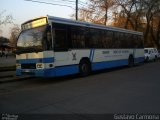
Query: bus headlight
point(40, 65)
point(18, 66)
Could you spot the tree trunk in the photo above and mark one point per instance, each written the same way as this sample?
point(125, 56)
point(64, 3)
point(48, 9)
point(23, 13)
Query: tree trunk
point(152, 33)
point(106, 17)
point(158, 35)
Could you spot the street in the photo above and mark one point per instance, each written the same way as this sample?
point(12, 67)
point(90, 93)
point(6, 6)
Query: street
point(120, 90)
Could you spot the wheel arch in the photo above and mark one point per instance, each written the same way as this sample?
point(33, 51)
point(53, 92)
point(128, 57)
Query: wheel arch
point(131, 60)
point(88, 62)
point(85, 59)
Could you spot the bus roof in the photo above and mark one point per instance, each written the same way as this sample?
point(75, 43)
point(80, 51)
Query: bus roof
point(84, 24)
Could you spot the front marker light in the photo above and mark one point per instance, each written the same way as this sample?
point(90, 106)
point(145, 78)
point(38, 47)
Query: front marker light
point(18, 66)
point(40, 65)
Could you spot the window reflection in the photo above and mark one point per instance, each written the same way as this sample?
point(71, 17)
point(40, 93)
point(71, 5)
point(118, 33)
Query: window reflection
point(35, 39)
point(31, 37)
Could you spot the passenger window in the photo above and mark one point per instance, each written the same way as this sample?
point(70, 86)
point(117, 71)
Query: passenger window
point(109, 39)
point(94, 38)
point(78, 37)
point(60, 37)
point(48, 39)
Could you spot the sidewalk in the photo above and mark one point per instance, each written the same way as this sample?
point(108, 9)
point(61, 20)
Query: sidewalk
point(8, 75)
point(6, 62)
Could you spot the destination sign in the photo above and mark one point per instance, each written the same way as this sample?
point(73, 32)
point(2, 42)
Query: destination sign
point(34, 23)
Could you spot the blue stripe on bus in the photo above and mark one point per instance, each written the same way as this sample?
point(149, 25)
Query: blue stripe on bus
point(36, 60)
point(72, 69)
point(31, 72)
point(115, 63)
point(66, 70)
point(109, 64)
point(91, 55)
point(139, 59)
point(52, 72)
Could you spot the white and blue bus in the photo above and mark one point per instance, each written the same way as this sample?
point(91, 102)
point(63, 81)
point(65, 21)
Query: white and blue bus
point(50, 46)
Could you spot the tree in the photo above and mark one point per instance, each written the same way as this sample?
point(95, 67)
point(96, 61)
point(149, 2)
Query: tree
point(96, 12)
point(140, 15)
point(4, 19)
point(14, 35)
point(101, 9)
point(131, 11)
point(8, 19)
point(3, 41)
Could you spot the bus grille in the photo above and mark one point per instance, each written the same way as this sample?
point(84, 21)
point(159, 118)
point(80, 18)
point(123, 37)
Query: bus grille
point(28, 66)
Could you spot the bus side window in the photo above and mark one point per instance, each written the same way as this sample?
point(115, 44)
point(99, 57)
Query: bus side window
point(60, 38)
point(140, 40)
point(78, 37)
point(47, 41)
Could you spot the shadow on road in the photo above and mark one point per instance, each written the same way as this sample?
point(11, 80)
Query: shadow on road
point(54, 80)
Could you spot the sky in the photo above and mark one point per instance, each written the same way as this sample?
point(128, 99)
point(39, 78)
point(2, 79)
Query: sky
point(22, 11)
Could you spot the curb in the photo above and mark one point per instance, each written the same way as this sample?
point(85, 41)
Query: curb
point(7, 76)
point(15, 79)
point(2, 69)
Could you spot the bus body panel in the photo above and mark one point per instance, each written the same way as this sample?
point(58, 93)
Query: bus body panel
point(52, 63)
point(65, 63)
point(139, 55)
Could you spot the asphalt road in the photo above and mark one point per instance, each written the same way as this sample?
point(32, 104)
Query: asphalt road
point(122, 90)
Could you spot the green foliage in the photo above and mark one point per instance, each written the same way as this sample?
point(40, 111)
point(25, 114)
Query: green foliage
point(14, 35)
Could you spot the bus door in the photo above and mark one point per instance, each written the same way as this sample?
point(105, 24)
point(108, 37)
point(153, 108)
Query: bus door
point(60, 43)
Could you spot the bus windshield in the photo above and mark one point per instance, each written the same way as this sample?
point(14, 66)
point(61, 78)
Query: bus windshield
point(32, 40)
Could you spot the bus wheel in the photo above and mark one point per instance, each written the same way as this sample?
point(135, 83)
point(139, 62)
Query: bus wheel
point(130, 61)
point(155, 58)
point(147, 59)
point(84, 68)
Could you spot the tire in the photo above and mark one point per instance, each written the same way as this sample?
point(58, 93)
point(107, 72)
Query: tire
point(84, 68)
point(130, 61)
point(155, 59)
point(147, 59)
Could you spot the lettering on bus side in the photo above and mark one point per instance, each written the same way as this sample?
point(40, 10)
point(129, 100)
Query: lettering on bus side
point(116, 52)
point(105, 52)
point(120, 51)
point(125, 51)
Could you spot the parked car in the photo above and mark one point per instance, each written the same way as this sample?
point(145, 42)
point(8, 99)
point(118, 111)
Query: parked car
point(151, 54)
